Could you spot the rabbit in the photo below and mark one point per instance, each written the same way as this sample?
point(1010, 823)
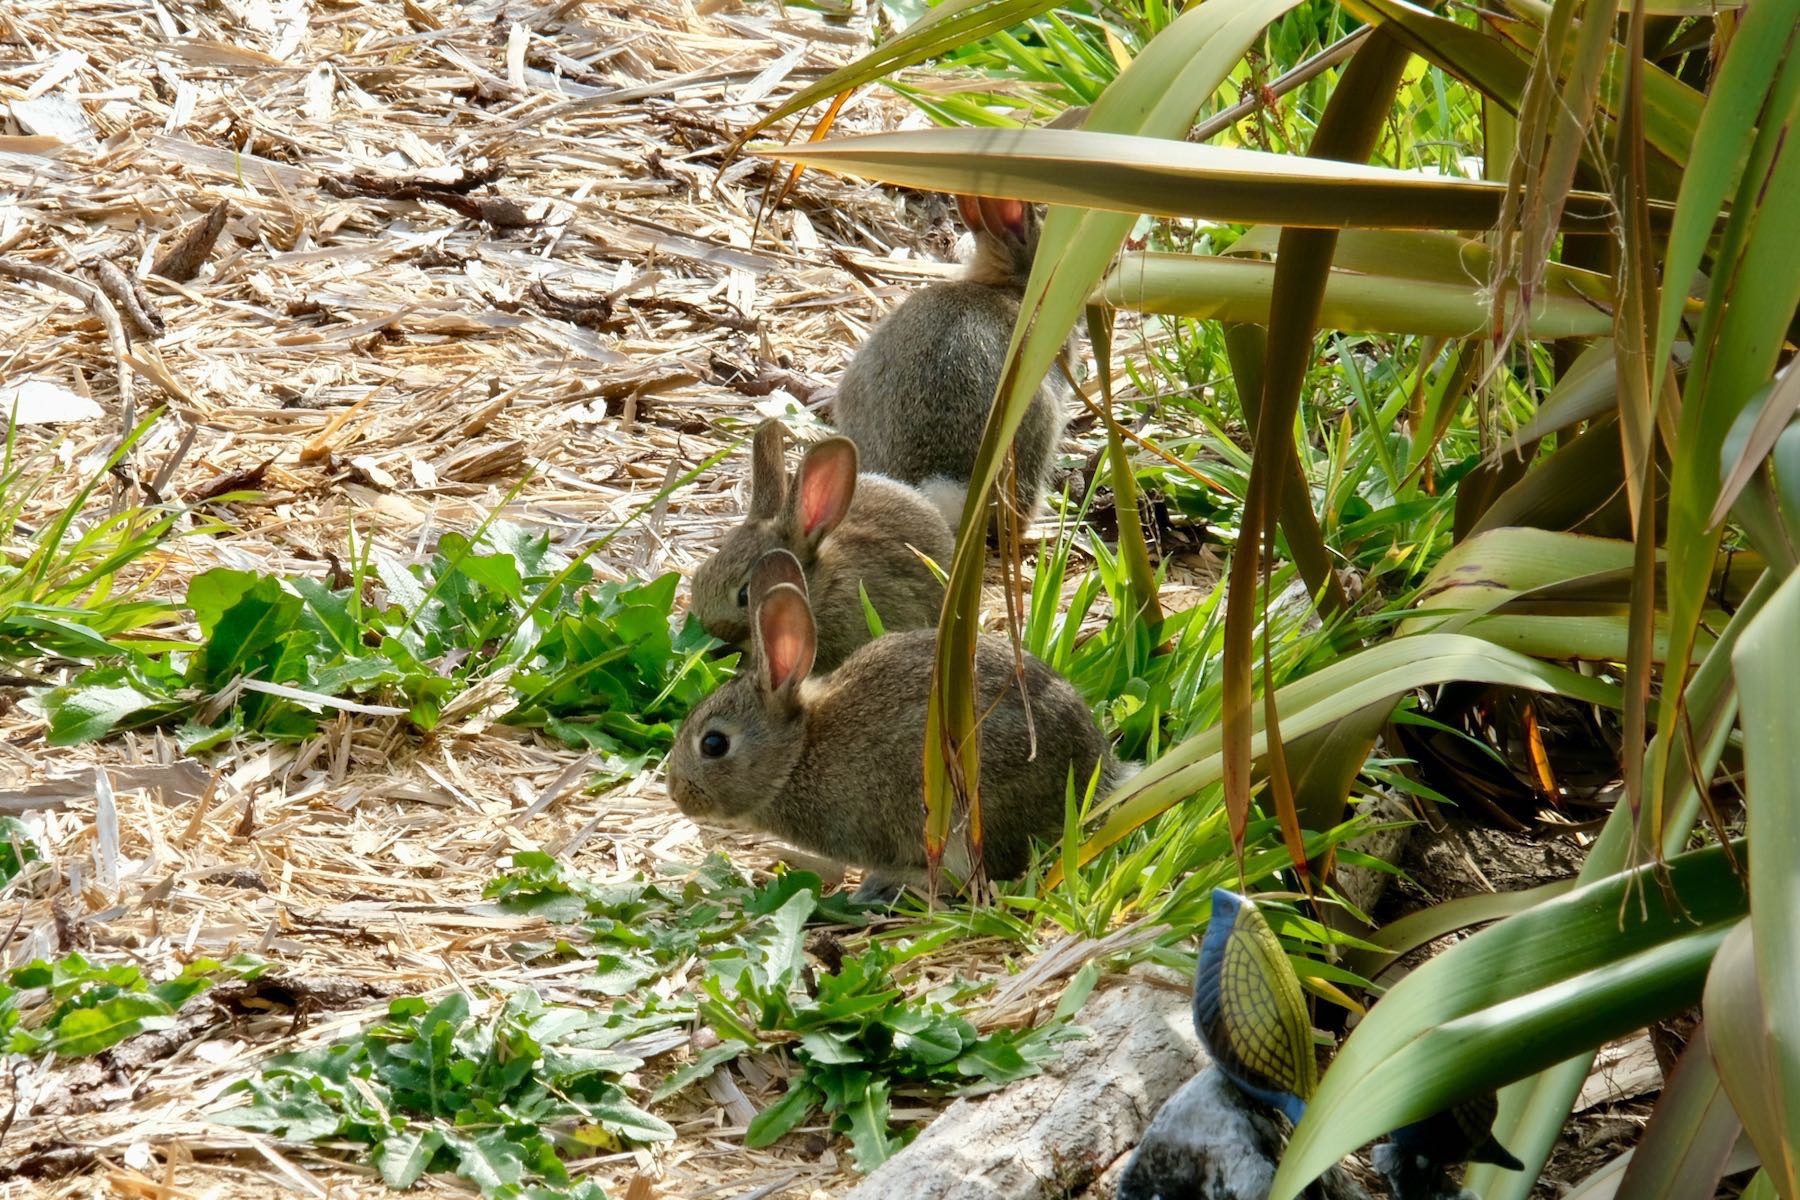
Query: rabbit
point(834, 765)
point(916, 396)
point(846, 530)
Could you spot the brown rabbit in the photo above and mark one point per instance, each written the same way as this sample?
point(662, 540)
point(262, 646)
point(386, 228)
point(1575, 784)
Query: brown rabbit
point(834, 765)
point(916, 396)
point(850, 533)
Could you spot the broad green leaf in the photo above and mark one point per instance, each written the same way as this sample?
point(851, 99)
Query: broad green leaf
point(1686, 1146)
point(491, 1161)
point(297, 1116)
point(824, 1046)
point(245, 632)
point(85, 1031)
point(775, 1122)
point(785, 949)
point(1745, 1048)
point(403, 1157)
point(628, 1120)
point(82, 714)
point(211, 594)
point(1769, 697)
point(1563, 976)
point(1416, 929)
point(1754, 293)
point(1130, 174)
point(867, 1117)
point(1219, 288)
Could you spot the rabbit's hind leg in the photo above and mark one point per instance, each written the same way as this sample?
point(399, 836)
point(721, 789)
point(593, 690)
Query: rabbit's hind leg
point(878, 891)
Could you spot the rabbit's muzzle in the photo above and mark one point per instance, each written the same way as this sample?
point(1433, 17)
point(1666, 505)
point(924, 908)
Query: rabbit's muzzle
point(689, 796)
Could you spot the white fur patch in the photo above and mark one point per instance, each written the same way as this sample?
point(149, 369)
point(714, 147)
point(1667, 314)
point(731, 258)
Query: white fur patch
point(947, 495)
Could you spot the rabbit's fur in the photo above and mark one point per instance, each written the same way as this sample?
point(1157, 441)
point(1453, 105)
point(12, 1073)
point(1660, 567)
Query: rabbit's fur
point(834, 765)
point(916, 396)
point(847, 530)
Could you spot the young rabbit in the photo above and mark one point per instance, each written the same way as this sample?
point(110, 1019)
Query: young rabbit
point(845, 531)
point(916, 396)
point(834, 765)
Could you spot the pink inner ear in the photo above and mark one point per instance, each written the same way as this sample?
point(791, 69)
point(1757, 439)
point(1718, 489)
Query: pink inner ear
point(783, 647)
point(786, 639)
point(827, 482)
point(1004, 216)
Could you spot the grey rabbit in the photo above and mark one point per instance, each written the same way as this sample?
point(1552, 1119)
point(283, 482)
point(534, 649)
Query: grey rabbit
point(916, 395)
point(834, 765)
point(849, 530)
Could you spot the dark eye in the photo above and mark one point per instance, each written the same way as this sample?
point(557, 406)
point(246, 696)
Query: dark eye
point(714, 744)
point(744, 596)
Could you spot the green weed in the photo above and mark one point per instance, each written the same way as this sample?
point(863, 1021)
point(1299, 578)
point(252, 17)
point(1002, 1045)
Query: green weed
point(600, 666)
point(74, 1008)
point(499, 1099)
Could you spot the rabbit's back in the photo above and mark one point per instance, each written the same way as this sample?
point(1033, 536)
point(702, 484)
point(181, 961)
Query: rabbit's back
point(856, 792)
point(916, 396)
point(872, 551)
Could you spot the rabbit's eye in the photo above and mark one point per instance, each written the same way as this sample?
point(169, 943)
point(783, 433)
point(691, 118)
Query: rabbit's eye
point(744, 596)
point(714, 744)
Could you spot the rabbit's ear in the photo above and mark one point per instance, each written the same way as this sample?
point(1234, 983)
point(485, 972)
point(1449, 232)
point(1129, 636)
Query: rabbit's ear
point(785, 642)
point(768, 470)
point(826, 487)
point(1009, 220)
point(776, 566)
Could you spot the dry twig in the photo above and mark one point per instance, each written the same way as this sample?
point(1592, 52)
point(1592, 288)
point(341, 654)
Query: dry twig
point(101, 307)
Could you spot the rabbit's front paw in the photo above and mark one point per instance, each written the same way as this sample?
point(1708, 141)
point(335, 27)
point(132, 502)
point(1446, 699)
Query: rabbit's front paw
point(878, 891)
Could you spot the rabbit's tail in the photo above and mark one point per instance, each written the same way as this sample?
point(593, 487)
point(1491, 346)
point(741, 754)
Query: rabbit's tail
point(1116, 771)
point(948, 496)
